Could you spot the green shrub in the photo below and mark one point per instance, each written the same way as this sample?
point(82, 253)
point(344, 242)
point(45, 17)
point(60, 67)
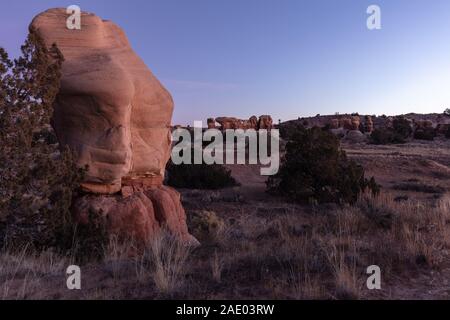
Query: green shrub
point(288, 129)
point(199, 176)
point(400, 131)
point(37, 179)
point(316, 169)
point(205, 225)
point(402, 127)
point(385, 136)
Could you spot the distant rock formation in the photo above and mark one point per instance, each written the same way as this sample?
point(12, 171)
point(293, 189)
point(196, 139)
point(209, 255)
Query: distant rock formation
point(349, 123)
point(113, 112)
point(356, 121)
point(334, 124)
point(368, 124)
point(264, 122)
point(211, 123)
point(423, 124)
point(355, 136)
point(442, 128)
point(253, 122)
point(346, 122)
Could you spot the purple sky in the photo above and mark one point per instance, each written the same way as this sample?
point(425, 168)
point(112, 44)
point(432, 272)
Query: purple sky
point(279, 57)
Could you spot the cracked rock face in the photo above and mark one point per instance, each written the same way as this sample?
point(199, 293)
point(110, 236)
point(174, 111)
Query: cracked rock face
point(111, 109)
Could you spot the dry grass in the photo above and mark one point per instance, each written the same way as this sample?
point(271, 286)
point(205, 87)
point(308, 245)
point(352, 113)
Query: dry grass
point(22, 271)
point(326, 255)
point(217, 265)
point(320, 254)
point(162, 261)
point(169, 257)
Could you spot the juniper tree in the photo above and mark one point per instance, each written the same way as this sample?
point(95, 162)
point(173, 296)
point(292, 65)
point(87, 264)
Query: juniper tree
point(37, 178)
point(316, 169)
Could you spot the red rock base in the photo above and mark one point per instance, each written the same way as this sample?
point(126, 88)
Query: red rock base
point(139, 215)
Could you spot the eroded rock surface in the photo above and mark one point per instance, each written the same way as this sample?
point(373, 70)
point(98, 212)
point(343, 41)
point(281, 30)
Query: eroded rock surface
point(111, 109)
point(140, 215)
point(264, 122)
point(113, 112)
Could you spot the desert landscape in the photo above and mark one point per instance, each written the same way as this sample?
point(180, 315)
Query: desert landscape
point(258, 246)
point(88, 179)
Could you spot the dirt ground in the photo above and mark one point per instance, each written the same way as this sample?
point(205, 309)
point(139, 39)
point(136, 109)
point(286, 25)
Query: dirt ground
point(258, 256)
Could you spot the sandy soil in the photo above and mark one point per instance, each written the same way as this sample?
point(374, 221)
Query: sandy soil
point(422, 168)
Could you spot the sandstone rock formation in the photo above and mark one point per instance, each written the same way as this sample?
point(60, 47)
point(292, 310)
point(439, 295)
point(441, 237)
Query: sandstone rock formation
point(235, 123)
point(339, 132)
point(140, 215)
point(346, 123)
point(265, 122)
point(227, 123)
point(442, 128)
point(355, 136)
point(355, 121)
point(423, 124)
point(253, 122)
point(113, 112)
point(211, 123)
point(368, 124)
point(111, 109)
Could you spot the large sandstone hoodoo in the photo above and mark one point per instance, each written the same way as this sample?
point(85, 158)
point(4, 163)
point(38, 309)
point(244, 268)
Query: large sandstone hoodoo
point(113, 112)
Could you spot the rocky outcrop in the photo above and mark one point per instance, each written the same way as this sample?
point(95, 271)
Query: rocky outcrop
point(423, 124)
point(356, 122)
point(368, 124)
point(253, 123)
point(113, 112)
point(227, 123)
point(264, 122)
point(345, 123)
point(334, 124)
point(211, 123)
point(355, 136)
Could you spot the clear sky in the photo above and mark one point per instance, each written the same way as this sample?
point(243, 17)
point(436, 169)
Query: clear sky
point(287, 58)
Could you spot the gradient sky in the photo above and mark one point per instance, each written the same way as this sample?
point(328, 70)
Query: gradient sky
point(287, 58)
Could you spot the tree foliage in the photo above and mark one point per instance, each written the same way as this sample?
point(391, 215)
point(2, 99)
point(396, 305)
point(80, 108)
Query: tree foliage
point(201, 176)
point(37, 178)
point(400, 131)
point(447, 112)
